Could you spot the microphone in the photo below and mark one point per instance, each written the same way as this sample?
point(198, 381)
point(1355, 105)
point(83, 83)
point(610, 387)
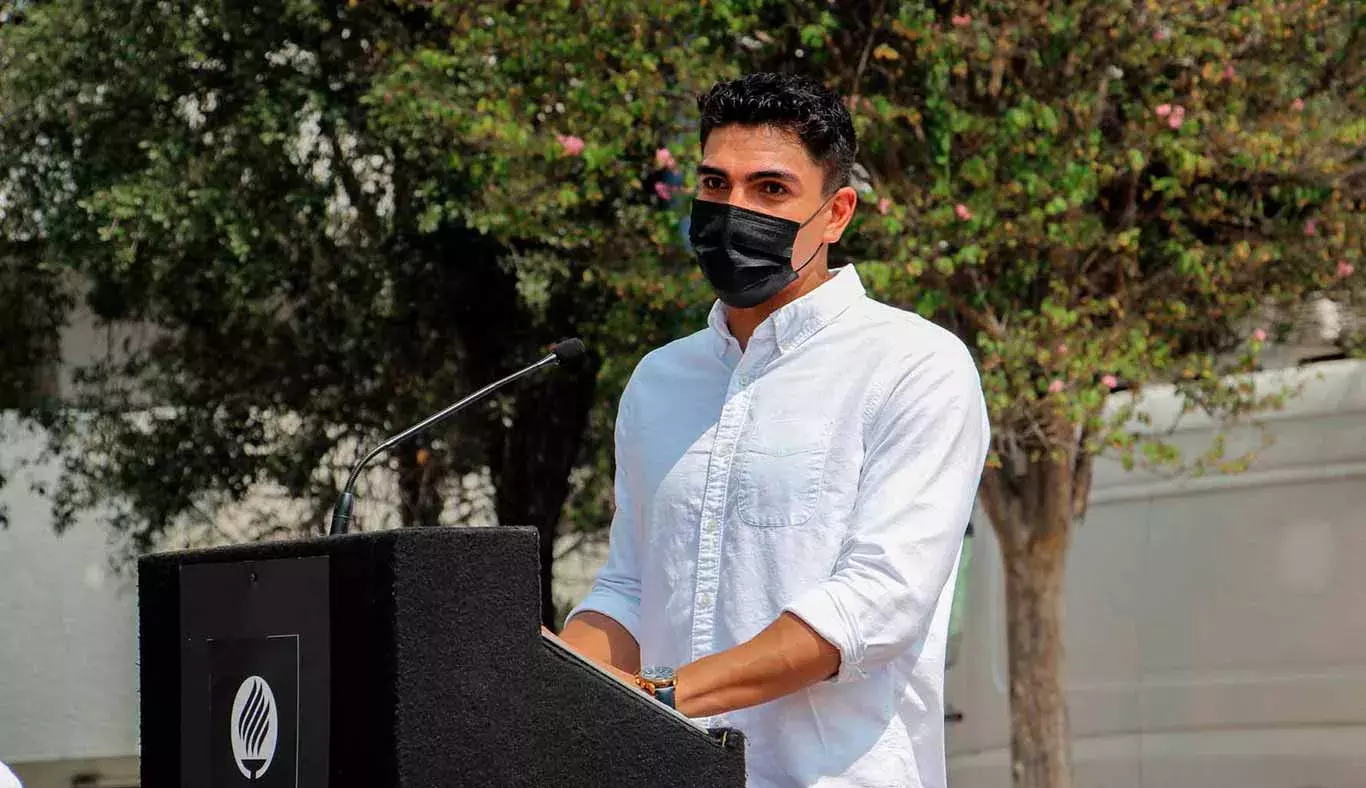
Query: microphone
point(566, 350)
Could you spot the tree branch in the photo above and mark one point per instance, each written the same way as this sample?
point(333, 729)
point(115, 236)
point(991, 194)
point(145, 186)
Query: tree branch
point(1081, 474)
point(874, 24)
point(369, 218)
point(984, 321)
point(996, 501)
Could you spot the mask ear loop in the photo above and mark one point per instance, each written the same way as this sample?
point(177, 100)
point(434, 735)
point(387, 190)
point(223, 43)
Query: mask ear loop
point(799, 268)
point(814, 214)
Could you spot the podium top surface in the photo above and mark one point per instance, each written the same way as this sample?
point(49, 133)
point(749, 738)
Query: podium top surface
point(481, 537)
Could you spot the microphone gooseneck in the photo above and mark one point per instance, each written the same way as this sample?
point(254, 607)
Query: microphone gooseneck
point(566, 350)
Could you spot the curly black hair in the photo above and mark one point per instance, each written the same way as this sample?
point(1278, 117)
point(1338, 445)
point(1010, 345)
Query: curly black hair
point(796, 104)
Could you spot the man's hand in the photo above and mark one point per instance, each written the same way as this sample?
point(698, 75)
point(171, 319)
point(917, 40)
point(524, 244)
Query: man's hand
point(604, 641)
point(623, 676)
point(786, 657)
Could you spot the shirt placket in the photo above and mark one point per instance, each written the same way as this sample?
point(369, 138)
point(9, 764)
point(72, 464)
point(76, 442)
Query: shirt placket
point(711, 529)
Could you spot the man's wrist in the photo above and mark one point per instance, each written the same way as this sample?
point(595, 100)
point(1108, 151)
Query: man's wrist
point(659, 682)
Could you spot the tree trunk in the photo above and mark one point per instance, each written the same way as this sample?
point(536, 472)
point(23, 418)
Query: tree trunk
point(530, 455)
point(1040, 750)
point(541, 449)
point(419, 480)
point(1034, 504)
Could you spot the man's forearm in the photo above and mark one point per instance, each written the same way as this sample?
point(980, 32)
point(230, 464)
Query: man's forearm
point(603, 640)
point(786, 657)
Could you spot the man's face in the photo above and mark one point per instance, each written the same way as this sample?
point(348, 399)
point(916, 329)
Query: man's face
point(769, 171)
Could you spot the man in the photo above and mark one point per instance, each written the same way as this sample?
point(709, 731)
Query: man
point(793, 483)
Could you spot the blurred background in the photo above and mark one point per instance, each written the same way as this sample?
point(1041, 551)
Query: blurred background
point(241, 242)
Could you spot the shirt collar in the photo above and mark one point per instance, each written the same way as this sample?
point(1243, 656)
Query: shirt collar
point(798, 321)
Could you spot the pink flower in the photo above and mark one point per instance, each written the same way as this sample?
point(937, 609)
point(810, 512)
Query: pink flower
point(961, 211)
point(1178, 117)
point(1062, 349)
point(664, 190)
point(572, 145)
point(1259, 335)
point(1055, 387)
point(1297, 105)
point(664, 159)
point(1311, 227)
point(961, 20)
point(1163, 110)
point(1162, 34)
point(1109, 381)
point(1228, 71)
point(1345, 269)
point(883, 205)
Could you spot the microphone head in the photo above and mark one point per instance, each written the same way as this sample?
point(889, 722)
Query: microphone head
point(567, 350)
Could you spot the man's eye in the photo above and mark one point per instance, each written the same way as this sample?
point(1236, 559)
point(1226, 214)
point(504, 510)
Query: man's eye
point(773, 189)
point(712, 182)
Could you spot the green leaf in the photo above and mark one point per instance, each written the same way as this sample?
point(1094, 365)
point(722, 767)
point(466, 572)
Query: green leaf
point(1048, 119)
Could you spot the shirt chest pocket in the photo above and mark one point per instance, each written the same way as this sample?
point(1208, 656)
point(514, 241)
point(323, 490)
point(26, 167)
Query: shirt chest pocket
point(781, 472)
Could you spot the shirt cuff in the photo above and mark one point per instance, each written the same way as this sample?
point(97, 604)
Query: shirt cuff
point(822, 611)
point(620, 608)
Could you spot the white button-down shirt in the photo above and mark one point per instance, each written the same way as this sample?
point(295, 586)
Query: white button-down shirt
point(828, 470)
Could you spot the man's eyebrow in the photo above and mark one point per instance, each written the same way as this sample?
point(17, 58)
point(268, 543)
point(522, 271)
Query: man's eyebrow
point(772, 175)
point(760, 175)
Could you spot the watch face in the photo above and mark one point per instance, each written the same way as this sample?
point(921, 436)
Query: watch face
point(658, 674)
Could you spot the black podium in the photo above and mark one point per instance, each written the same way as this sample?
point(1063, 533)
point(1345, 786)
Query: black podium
point(409, 658)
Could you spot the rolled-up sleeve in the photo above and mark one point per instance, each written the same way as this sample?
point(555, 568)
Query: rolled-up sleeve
point(925, 448)
point(616, 589)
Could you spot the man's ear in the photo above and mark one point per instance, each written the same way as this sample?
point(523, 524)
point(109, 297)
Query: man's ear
point(842, 205)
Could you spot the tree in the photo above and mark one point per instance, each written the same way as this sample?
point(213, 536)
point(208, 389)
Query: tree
point(1095, 195)
point(333, 217)
point(36, 296)
point(556, 126)
point(36, 303)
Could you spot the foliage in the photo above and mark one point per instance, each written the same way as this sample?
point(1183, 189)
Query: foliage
point(334, 217)
point(559, 134)
point(1104, 193)
point(191, 197)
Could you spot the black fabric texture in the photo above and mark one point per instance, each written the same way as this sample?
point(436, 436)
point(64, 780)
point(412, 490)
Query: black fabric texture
point(745, 255)
point(440, 676)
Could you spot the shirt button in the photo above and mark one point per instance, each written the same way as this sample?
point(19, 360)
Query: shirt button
point(744, 380)
point(705, 599)
point(709, 524)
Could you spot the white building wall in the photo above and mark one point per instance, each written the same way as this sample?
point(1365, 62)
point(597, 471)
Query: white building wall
point(1213, 626)
point(68, 676)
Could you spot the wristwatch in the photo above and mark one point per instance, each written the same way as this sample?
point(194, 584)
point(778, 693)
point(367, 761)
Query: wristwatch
point(658, 681)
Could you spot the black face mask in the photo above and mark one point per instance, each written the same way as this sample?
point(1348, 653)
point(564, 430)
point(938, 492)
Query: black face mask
point(746, 255)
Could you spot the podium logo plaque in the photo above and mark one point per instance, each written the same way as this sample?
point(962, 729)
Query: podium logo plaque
point(254, 708)
point(255, 726)
point(255, 674)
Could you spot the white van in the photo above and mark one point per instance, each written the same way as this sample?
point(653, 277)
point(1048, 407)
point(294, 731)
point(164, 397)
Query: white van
point(1215, 627)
